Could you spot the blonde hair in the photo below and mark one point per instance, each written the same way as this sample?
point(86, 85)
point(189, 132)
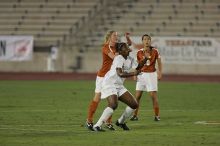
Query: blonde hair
point(108, 36)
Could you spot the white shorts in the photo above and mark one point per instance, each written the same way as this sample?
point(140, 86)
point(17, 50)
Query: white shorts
point(108, 90)
point(98, 84)
point(147, 82)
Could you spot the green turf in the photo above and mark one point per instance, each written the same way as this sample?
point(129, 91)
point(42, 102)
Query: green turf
point(53, 113)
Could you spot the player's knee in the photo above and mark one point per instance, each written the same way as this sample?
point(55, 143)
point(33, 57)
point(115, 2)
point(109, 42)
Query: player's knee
point(134, 105)
point(114, 106)
point(153, 94)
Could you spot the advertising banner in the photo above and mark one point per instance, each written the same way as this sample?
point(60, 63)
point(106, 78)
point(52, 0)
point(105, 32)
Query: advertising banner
point(16, 48)
point(185, 50)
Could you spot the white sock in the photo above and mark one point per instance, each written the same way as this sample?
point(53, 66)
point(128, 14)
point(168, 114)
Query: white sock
point(127, 113)
point(105, 115)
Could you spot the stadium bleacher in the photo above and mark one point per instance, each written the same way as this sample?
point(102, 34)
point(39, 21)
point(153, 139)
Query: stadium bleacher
point(78, 26)
point(47, 20)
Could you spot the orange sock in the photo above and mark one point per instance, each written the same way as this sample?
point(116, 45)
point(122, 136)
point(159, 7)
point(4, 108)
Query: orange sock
point(92, 108)
point(156, 111)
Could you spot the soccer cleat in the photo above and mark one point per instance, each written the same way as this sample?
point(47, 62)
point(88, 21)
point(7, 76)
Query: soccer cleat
point(110, 127)
point(156, 118)
point(134, 118)
point(98, 129)
point(123, 126)
point(89, 126)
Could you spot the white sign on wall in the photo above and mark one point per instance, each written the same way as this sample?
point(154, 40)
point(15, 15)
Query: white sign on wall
point(16, 48)
point(185, 50)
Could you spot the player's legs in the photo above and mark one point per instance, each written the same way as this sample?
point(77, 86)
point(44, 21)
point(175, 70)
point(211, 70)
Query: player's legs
point(128, 99)
point(91, 111)
point(112, 105)
point(153, 95)
point(138, 96)
point(93, 106)
point(108, 122)
point(152, 87)
point(95, 101)
point(140, 87)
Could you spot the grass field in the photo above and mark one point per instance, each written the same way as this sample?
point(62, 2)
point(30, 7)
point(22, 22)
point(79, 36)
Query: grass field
point(53, 113)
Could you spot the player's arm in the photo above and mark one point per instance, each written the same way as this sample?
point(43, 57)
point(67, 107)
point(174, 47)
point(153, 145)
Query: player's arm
point(127, 36)
point(138, 46)
point(143, 61)
point(159, 72)
point(126, 74)
point(129, 42)
point(134, 73)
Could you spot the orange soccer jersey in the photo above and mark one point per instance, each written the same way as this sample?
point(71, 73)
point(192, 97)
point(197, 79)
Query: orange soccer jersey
point(149, 66)
point(106, 60)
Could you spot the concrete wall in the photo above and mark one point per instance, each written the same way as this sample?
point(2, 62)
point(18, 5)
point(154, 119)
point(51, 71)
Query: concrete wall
point(91, 63)
point(191, 69)
point(65, 62)
point(38, 64)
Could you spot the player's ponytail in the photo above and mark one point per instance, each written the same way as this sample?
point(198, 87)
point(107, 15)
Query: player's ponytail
point(108, 36)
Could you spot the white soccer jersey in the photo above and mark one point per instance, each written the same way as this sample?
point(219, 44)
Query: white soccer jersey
point(111, 77)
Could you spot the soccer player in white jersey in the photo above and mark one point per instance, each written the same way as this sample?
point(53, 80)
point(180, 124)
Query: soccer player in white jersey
point(114, 90)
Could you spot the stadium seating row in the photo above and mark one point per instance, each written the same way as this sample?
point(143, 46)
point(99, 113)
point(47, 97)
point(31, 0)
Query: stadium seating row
point(79, 25)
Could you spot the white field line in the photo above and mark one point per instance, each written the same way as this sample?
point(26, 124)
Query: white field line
point(33, 127)
point(52, 125)
point(28, 129)
point(207, 122)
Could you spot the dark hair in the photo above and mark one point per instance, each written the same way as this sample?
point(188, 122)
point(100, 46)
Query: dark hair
point(144, 36)
point(119, 46)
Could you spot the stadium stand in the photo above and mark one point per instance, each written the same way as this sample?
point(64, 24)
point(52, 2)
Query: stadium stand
point(77, 27)
point(158, 18)
point(47, 20)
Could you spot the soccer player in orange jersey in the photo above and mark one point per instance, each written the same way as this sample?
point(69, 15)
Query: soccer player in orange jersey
point(148, 79)
point(108, 54)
